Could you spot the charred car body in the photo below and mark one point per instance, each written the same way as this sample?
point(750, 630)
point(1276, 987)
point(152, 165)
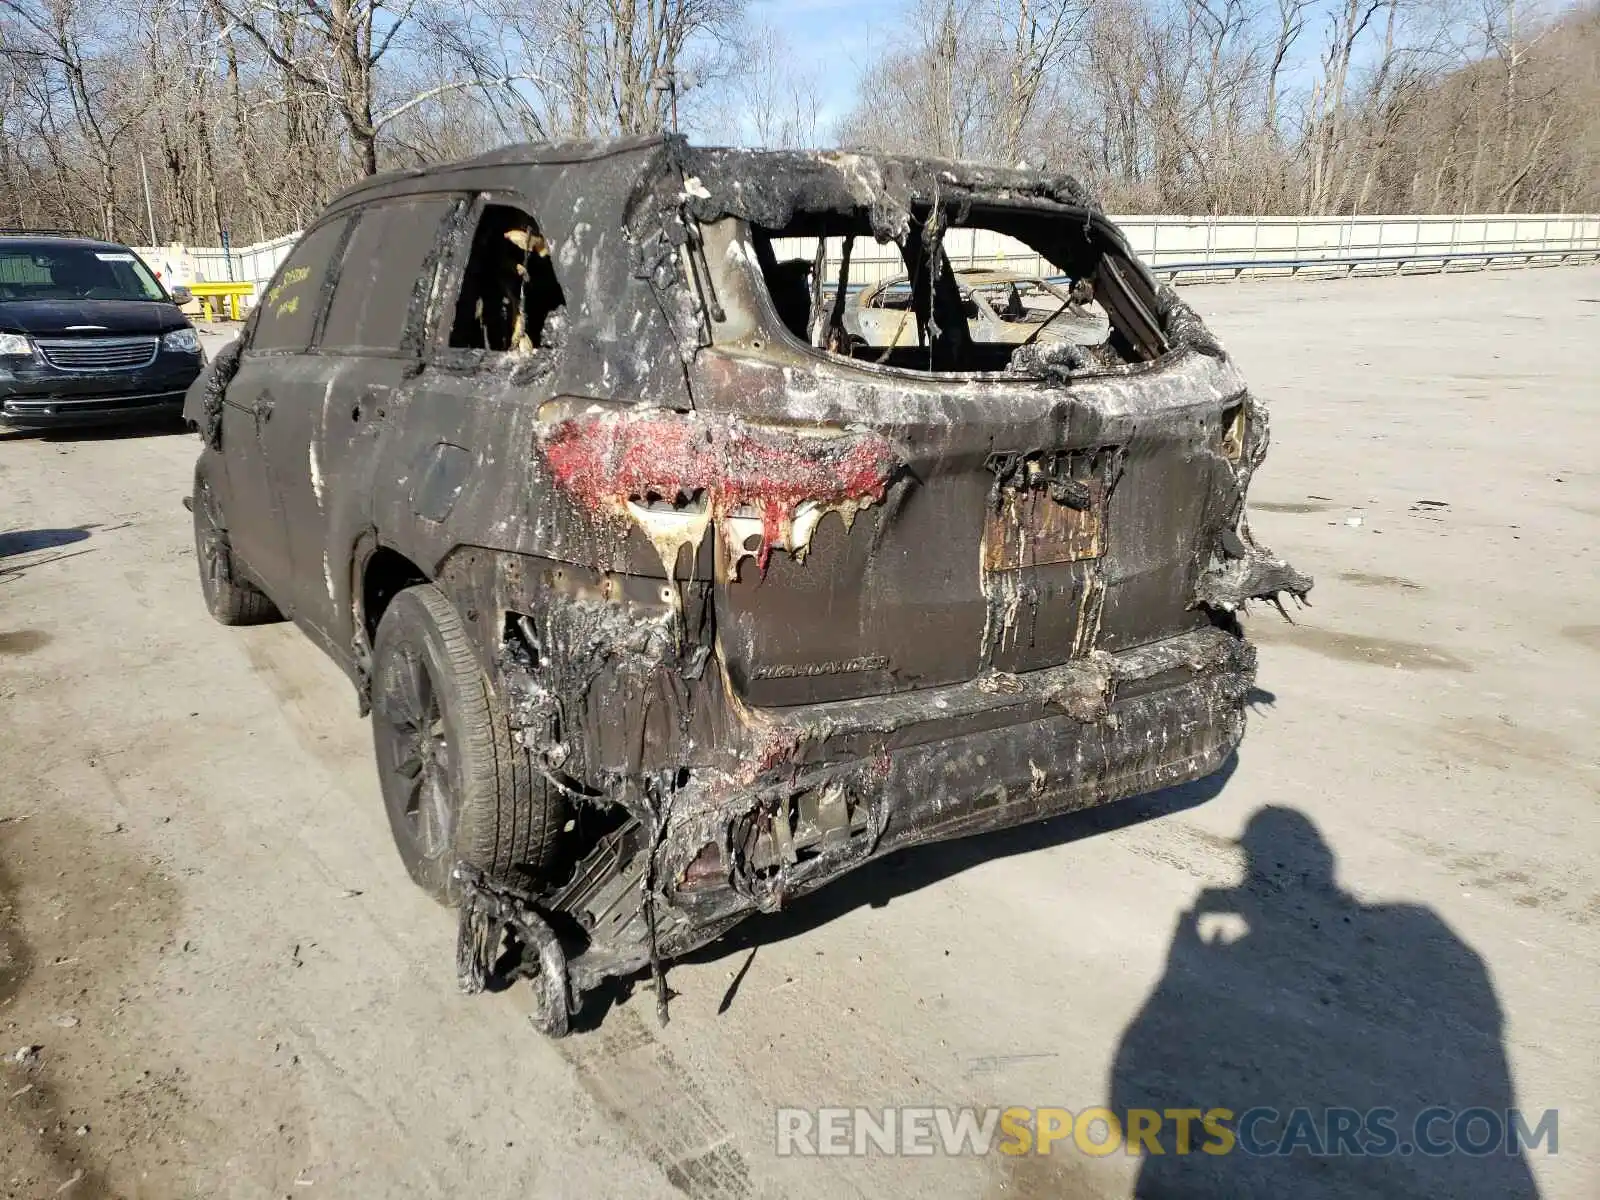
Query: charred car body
point(667, 612)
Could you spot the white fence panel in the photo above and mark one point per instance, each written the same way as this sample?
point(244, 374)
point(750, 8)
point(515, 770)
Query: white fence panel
point(1226, 247)
point(255, 264)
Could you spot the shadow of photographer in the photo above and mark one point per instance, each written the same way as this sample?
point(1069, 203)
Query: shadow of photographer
point(1288, 993)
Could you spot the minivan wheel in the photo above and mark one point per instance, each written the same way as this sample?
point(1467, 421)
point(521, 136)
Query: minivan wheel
point(230, 599)
point(457, 786)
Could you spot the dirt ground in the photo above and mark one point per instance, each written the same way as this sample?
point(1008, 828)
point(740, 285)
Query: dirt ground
point(216, 980)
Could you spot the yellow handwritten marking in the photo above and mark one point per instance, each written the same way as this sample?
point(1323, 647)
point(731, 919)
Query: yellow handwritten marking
point(290, 278)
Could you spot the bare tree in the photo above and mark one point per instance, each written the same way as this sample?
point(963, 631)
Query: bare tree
point(1329, 121)
point(245, 115)
point(931, 92)
point(1034, 37)
point(967, 80)
point(778, 93)
point(1291, 23)
point(103, 95)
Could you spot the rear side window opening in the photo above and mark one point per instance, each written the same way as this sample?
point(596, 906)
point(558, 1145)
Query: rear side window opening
point(510, 300)
point(979, 298)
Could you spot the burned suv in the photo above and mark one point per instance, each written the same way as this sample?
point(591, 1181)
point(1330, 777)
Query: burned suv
point(670, 601)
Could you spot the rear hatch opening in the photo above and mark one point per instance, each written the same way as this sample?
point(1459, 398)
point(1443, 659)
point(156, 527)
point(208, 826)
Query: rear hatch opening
point(1063, 472)
point(969, 291)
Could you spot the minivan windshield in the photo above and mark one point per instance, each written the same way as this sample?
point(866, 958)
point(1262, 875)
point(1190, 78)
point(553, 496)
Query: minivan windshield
point(75, 273)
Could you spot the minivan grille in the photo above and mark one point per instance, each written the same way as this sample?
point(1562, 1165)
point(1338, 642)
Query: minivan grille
point(98, 354)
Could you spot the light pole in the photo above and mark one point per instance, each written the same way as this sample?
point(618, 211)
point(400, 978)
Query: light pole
point(149, 209)
point(669, 80)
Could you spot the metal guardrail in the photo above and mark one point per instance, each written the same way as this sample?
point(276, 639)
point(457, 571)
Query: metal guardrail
point(1191, 248)
point(1374, 264)
point(1230, 247)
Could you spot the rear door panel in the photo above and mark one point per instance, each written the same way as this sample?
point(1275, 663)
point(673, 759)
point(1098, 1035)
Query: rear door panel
point(321, 452)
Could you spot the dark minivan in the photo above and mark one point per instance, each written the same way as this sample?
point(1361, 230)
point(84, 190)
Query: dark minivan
point(672, 600)
point(88, 334)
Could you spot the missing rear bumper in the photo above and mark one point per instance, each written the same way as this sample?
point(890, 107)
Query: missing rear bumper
point(855, 781)
point(1003, 751)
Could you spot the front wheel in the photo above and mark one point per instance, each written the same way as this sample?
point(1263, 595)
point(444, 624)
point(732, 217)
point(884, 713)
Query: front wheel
point(457, 786)
point(229, 598)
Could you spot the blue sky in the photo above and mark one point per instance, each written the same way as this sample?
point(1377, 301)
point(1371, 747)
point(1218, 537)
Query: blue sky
point(836, 33)
point(837, 37)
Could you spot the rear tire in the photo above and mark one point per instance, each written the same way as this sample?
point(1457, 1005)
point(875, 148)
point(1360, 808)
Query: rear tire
point(230, 599)
point(457, 786)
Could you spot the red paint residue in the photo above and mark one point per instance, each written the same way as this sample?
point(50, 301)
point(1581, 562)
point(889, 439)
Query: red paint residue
point(774, 748)
point(608, 458)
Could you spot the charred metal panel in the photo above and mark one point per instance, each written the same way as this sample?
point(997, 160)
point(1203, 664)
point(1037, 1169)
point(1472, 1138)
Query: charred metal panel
point(901, 595)
point(1048, 509)
point(443, 474)
point(896, 771)
point(605, 675)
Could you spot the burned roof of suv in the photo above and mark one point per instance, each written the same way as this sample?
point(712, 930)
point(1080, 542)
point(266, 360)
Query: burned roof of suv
point(769, 188)
point(765, 187)
point(617, 214)
point(583, 192)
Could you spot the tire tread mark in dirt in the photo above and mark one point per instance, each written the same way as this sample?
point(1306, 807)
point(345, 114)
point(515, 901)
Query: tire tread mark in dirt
point(638, 1083)
point(1209, 857)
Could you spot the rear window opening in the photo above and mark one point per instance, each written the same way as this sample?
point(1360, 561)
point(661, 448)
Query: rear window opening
point(973, 298)
point(510, 300)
